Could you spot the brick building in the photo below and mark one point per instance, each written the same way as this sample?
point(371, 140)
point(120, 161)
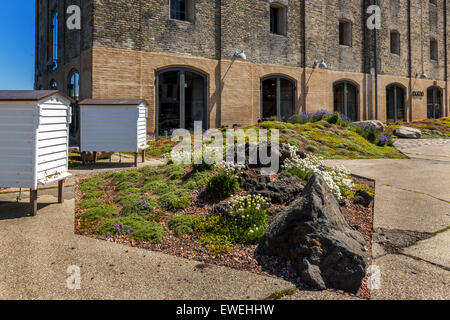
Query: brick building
point(146, 49)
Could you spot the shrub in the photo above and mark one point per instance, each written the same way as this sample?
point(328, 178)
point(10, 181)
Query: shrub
point(97, 213)
point(334, 118)
point(175, 171)
point(148, 171)
point(91, 203)
point(138, 227)
point(183, 224)
point(222, 185)
point(165, 187)
point(198, 180)
point(177, 200)
point(217, 245)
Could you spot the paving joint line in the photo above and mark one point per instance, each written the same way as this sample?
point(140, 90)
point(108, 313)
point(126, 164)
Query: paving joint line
point(417, 192)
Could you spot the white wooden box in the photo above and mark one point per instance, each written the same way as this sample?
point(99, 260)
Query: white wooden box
point(109, 125)
point(34, 138)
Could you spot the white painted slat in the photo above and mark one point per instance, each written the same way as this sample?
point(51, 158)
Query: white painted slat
point(53, 120)
point(52, 164)
point(52, 157)
point(52, 135)
point(53, 112)
point(52, 142)
point(52, 127)
point(52, 149)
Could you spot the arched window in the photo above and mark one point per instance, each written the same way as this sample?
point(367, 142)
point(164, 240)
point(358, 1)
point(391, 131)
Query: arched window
point(395, 103)
point(277, 97)
point(53, 85)
point(434, 102)
point(181, 99)
point(346, 99)
point(54, 33)
point(73, 88)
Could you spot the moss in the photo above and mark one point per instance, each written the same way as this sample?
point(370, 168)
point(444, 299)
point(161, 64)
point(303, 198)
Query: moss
point(362, 187)
point(100, 212)
point(281, 294)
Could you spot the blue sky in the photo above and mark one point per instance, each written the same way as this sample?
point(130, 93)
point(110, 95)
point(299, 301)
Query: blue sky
point(17, 45)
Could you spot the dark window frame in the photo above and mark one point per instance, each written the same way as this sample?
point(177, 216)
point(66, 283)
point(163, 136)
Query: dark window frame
point(278, 98)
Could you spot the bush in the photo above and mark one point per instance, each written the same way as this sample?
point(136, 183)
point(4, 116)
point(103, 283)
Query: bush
point(222, 185)
point(183, 224)
point(138, 228)
point(103, 211)
point(91, 203)
point(334, 118)
point(177, 200)
point(198, 180)
point(311, 149)
point(175, 171)
point(217, 245)
point(248, 226)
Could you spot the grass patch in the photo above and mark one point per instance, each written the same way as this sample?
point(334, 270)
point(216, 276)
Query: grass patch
point(440, 231)
point(183, 224)
point(91, 203)
point(281, 294)
point(100, 212)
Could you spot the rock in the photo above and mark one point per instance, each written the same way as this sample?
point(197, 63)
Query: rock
point(375, 123)
point(363, 197)
point(284, 153)
point(314, 235)
point(285, 189)
point(408, 133)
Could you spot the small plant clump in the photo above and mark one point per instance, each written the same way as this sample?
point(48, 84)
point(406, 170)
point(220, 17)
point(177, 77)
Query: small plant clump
point(222, 185)
point(183, 224)
point(337, 178)
point(134, 226)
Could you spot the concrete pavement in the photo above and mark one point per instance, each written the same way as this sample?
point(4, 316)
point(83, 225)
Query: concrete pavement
point(412, 195)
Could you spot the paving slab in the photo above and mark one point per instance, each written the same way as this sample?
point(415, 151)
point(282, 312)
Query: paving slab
point(435, 250)
point(403, 278)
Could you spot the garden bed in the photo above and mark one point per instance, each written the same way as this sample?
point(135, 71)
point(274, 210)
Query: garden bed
point(138, 207)
point(431, 128)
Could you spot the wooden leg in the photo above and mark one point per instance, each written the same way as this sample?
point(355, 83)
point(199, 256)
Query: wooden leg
point(83, 158)
point(61, 191)
point(95, 157)
point(143, 156)
point(136, 159)
point(33, 202)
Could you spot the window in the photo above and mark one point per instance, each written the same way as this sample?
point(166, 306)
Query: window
point(395, 104)
point(53, 85)
point(73, 89)
point(181, 99)
point(54, 35)
point(182, 10)
point(345, 33)
point(346, 97)
point(434, 50)
point(434, 102)
point(278, 19)
point(395, 42)
point(278, 98)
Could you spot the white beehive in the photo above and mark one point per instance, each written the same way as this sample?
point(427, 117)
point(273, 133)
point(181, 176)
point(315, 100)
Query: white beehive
point(34, 138)
point(113, 125)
